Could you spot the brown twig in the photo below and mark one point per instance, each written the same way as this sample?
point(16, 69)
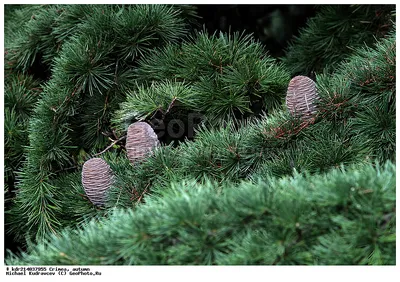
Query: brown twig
point(170, 105)
point(164, 113)
point(145, 190)
point(112, 144)
point(65, 169)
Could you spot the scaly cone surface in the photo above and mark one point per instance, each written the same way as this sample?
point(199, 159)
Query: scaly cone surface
point(301, 96)
point(96, 179)
point(140, 141)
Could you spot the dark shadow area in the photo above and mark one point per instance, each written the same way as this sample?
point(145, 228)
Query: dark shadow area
point(273, 25)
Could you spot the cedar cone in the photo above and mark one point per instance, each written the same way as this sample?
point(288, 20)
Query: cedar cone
point(140, 141)
point(96, 179)
point(300, 96)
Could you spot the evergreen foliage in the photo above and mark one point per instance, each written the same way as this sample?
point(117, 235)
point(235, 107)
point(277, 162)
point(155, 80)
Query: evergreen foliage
point(84, 80)
point(146, 101)
point(334, 33)
point(278, 144)
point(345, 216)
point(364, 96)
point(230, 77)
point(20, 95)
point(237, 179)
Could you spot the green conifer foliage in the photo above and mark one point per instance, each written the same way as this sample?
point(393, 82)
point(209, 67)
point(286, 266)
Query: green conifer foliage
point(20, 95)
point(87, 65)
point(362, 92)
point(334, 33)
point(38, 41)
point(228, 77)
point(144, 102)
point(254, 185)
point(297, 220)
point(278, 144)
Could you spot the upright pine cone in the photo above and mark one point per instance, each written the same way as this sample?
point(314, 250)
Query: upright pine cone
point(96, 179)
point(300, 97)
point(140, 141)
